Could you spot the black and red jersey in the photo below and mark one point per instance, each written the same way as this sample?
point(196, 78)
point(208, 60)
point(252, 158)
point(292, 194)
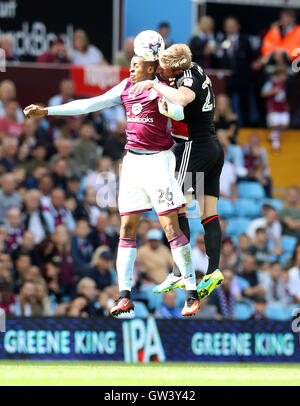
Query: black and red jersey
point(198, 123)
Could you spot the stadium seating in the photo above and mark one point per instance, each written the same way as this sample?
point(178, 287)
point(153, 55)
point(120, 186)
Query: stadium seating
point(243, 309)
point(247, 208)
point(251, 190)
point(237, 226)
point(225, 208)
point(288, 244)
point(140, 310)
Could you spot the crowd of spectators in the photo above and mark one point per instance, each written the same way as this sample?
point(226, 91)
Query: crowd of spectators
point(59, 224)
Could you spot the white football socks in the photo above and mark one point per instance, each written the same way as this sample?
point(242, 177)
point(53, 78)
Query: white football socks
point(125, 262)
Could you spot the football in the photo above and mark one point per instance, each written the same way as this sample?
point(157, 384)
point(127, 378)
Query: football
point(149, 45)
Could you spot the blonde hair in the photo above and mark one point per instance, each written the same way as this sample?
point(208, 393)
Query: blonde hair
point(83, 283)
point(177, 56)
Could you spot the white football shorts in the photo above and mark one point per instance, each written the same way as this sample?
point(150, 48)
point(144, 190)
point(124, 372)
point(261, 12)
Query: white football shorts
point(148, 181)
point(276, 119)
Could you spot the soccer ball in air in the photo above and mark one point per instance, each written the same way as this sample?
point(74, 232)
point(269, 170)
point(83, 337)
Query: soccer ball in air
point(149, 45)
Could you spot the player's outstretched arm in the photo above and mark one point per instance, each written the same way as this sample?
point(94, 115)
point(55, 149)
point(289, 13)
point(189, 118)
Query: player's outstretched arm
point(77, 107)
point(182, 96)
point(171, 110)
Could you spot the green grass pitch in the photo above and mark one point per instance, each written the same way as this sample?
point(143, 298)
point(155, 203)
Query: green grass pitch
point(23, 373)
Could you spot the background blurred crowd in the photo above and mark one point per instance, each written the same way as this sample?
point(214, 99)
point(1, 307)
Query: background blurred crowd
point(58, 238)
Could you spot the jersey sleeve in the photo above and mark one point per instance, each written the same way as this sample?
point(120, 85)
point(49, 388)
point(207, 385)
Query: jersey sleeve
point(188, 80)
point(85, 106)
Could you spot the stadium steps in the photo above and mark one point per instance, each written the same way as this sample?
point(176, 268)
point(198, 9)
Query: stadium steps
point(285, 167)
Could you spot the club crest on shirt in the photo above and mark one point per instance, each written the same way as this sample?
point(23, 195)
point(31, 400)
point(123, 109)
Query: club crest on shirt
point(137, 109)
point(188, 82)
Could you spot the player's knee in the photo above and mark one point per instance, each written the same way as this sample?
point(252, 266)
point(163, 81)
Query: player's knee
point(127, 230)
point(171, 230)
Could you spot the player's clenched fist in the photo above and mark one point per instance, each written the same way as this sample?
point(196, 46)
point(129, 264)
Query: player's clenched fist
point(35, 111)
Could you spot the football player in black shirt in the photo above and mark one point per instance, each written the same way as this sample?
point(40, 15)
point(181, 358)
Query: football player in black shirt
point(203, 156)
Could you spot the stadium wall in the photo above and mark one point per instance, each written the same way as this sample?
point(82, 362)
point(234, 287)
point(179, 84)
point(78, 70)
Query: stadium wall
point(146, 15)
point(144, 340)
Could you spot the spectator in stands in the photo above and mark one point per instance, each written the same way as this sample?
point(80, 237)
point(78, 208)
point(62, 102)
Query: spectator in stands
point(62, 242)
point(223, 298)
point(9, 125)
point(33, 218)
point(290, 214)
point(33, 274)
point(7, 297)
point(271, 223)
point(51, 270)
point(9, 197)
point(164, 30)
point(27, 247)
point(20, 270)
point(78, 307)
point(235, 54)
point(88, 208)
point(259, 248)
point(38, 158)
point(278, 116)
point(6, 44)
point(225, 120)
point(84, 53)
point(244, 243)
point(26, 302)
point(56, 214)
point(72, 193)
point(87, 287)
point(228, 185)
point(102, 272)
point(64, 148)
point(294, 278)
point(10, 154)
point(81, 246)
point(154, 258)
point(229, 257)
point(124, 56)
point(15, 230)
point(203, 43)
point(66, 93)
point(42, 298)
point(8, 92)
point(45, 186)
point(256, 163)
point(260, 307)
point(168, 309)
point(200, 259)
point(114, 142)
point(86, 153)
point(60, 173)
point(283, 36)
point(102, 235)
point(57, 53)
point(274, 285)
point(250, 285)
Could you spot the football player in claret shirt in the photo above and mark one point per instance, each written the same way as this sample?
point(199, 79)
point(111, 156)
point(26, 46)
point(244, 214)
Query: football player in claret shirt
point(147, 176)
point(203, 153)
